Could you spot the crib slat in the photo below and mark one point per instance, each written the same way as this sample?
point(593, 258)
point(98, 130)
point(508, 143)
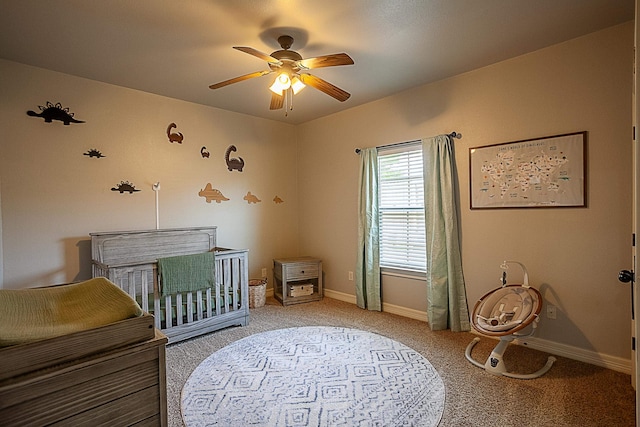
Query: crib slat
point(218, 282)
point(230, 296)
point(198, 313)
point(156, 301)
point(232, 278)
point(178, 318)
point(227, 285)
point(208, 303)
point(244, 280)
point(131, 284)
point(216, 288)
point(145, 291)
point(223, 288)
point(235, 284)
point(168, 312)
point(189, 307)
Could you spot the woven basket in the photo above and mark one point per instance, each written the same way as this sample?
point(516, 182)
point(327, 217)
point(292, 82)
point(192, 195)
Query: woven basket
point(257, 292)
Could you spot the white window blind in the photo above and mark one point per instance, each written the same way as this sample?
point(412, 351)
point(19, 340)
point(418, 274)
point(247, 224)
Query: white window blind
point(401, 208)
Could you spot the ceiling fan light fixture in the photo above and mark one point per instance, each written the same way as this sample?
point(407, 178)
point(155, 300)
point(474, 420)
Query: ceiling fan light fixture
point(281, 83)
point(276, 88)
point(287, 65)
point(297, 85)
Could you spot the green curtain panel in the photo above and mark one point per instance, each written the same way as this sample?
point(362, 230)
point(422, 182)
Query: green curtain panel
point(368, 260)
point(446, 295)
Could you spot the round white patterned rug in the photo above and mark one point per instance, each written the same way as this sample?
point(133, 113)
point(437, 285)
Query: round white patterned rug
point(314, 376)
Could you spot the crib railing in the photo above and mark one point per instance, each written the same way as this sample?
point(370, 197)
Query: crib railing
point(186, 314)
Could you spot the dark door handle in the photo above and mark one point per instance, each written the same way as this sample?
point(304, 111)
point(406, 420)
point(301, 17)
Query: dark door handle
point(625, 276)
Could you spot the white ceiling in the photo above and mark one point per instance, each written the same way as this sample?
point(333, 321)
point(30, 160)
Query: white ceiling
point(177, 48)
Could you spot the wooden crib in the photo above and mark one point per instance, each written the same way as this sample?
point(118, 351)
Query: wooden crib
point(129, 259)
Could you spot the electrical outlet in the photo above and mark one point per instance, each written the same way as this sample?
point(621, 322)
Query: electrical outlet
point(264, 272)
point(551, 311)
point(351, 276)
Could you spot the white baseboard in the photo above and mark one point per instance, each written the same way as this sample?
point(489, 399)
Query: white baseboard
point(388, 308)
point(576, 353)
point(340, 296)
point(603, 360)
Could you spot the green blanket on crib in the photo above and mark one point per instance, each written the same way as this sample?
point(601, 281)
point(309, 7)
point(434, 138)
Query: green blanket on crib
point(186, 273)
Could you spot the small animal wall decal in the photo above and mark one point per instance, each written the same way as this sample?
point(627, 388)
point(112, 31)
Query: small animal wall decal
point(50, 112)
point(210, 193)
point(174, 136)
point(94, 153)
point(233, 163)
point(250, 198)
point(125, 186)
point(204, 152)
point(278, 200)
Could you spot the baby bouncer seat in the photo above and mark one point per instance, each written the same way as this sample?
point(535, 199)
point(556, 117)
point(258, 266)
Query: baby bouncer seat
point(504, 313)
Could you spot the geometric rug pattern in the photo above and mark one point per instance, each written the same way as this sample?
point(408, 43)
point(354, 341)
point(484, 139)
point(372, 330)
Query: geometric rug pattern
point(314, 376)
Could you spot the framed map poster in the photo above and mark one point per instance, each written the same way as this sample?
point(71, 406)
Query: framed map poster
point(534, 173)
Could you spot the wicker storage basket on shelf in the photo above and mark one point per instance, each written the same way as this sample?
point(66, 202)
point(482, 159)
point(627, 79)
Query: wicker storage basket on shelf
point(257, 292)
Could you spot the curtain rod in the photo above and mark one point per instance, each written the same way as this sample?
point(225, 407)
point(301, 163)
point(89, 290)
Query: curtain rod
point(453, 134)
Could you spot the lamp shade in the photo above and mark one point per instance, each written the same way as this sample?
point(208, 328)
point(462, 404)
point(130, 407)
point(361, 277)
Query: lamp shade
point(297, 85)
point(281, 83)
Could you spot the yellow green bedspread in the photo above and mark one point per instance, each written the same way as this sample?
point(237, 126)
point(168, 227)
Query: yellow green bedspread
point(28, 315)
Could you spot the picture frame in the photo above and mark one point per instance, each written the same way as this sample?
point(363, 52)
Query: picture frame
point(532, 173)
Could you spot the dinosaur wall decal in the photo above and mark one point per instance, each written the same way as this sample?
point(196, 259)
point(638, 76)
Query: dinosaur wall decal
point(125, 186)
point(251, 198)
point(210, 193)
point(94, 153)
point(233, 163)
point(174, 136)
point(50, 112)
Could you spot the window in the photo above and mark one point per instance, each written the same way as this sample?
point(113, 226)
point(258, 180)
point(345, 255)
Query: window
point(401, 208)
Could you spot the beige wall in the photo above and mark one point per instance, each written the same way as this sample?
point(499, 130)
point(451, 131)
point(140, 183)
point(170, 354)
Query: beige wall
point(53, 196)
point(573, 255)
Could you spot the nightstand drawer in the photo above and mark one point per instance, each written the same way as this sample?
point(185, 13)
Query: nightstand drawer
point(302, 271)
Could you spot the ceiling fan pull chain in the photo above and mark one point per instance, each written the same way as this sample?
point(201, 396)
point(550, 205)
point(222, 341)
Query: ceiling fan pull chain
point(286, 103)
point(290, 92)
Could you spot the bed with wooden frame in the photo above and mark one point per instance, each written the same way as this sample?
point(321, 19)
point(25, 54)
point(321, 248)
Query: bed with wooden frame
point(61, 367)
point(130, 260)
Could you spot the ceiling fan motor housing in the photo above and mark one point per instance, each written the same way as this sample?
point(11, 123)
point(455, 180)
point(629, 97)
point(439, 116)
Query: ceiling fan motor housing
point(285, 42)
point(286, 54)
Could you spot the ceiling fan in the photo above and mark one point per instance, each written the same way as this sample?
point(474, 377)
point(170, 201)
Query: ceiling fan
point(291, 76)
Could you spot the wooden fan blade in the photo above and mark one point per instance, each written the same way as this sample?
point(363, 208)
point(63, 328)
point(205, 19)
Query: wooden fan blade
point(326, 61)
point(261, 55)
point(240, 78)
point(325, 86)
point(277, 101)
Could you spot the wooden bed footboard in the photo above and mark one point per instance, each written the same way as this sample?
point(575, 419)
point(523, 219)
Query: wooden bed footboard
point(113, 375)
point(182, 315)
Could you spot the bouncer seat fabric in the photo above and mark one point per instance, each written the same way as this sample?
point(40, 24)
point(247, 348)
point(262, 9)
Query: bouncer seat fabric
point(506, 310)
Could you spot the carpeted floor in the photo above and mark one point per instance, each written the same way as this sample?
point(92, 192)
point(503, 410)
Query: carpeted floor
point(571, 394)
